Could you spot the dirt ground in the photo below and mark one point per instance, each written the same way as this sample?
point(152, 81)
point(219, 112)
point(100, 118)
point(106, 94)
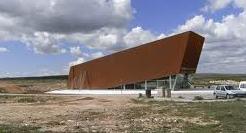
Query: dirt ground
point(120, 113)
point(31, 86)
point(64, 113)
point(30, 110)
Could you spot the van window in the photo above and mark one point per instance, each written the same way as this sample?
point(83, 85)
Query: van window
point(230, 88)
point(217, 88)
point(222, 88)
point(243, 86)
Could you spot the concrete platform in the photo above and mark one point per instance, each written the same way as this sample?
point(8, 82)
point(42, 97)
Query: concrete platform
point(100, 92)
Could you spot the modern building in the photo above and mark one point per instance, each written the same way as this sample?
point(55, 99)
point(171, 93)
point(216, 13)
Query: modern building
point(167, 62)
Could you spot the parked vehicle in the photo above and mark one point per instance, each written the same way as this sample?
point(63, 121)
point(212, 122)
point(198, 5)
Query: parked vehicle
point(228, 91)
point(242, 85)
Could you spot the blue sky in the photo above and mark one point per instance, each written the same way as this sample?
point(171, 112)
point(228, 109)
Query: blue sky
point(51, 35)
point(164, 16)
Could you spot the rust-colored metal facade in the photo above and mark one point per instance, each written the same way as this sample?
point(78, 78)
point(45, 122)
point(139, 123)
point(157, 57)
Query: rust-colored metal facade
point(169, 56)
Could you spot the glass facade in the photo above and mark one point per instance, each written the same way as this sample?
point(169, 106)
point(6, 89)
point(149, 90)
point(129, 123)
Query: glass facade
point(177, 81)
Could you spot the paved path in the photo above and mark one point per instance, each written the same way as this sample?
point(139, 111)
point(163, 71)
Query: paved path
point(186, 94)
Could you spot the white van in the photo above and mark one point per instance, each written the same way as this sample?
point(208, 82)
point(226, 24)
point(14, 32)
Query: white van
point(227, 91)
point(242, 85)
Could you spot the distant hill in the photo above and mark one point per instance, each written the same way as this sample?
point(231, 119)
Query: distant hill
point(55, 77)
point(215, 76)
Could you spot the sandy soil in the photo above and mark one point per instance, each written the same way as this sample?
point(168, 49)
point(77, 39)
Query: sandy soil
point(64, 113)
point(93, 113)
point(31, 86)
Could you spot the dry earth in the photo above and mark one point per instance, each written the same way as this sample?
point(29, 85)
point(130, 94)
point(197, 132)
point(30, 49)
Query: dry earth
point(50, 113)
point(31, 86)
point(64, 113)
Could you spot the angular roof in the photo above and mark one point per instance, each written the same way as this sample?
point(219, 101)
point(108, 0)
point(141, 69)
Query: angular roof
point(169, 56)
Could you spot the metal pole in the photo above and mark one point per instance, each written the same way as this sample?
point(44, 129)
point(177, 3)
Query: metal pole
point(170, 82)
point(175, 81)
point(145, 85)
point(157, 84)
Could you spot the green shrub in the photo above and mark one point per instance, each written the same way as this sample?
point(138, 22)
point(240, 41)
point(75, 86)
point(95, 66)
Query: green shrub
point(27, 100)
point(180, 97)
point(2, 90)
point(198, 98)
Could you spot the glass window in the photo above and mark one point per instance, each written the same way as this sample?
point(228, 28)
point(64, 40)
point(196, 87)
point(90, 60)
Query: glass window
point(243, 86)
point(130, 86)
point(222, 88)
point(230, 88)
point(217, 88)
point(152, 84)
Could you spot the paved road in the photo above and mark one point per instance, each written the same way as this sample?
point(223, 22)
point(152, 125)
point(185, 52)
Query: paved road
point(206, 94)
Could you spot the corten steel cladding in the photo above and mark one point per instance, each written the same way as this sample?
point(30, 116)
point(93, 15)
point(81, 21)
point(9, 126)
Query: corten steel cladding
point(169, 56)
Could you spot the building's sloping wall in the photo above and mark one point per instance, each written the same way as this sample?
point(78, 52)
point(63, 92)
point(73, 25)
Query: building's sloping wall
point(171, 55)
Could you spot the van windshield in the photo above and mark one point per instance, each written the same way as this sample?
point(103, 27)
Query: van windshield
point(230, 88)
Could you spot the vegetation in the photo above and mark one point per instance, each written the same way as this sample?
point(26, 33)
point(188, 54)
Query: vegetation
point(57, 77)
point(198, 98)
point(11, 128)
point(226, 117)
point(203, 79)
point(25, 99)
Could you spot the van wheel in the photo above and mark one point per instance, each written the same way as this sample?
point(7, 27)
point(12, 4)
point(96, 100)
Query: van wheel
point(228, 96)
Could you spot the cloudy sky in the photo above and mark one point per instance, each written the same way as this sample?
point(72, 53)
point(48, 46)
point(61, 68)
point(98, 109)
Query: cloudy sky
point(45, 37)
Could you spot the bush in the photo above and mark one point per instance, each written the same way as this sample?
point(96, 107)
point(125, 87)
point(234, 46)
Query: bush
point(27, 100)
point(140, 95)
point(180, 97)
point(2, 90)
point(198, 98)
point(238, 99)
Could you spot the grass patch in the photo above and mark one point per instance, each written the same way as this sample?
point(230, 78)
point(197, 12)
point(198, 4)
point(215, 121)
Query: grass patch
point(198, 98)
point(25, 99)
point(226, 117)
point(35, 99)
point(2, 90)
point(193, 128)
point(9, 128)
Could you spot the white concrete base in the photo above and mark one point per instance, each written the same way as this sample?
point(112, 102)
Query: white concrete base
point(100, 92)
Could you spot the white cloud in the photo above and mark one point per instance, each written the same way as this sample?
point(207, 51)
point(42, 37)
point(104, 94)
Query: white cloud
point(138, 36)
point(42, 25)
point(85, 57)
point(102, 39)
point(97, 55)
point(214, 5)
point(75, 51)
point(96, 24)
point(62, 16)
point(225, 47)
point(76, 62)
point(240, 3)
point(113, 40)
point(44, 42)
point(3, 50)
